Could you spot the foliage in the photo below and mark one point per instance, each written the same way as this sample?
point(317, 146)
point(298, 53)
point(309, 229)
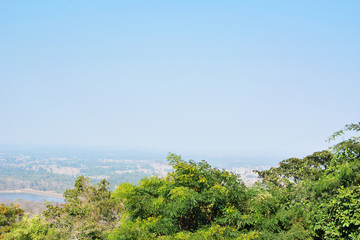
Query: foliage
point(88, 213)
point(295, 170)
point(316, 197)
point(192, 197)
point(34, 229)
point(320, 193)
point(335, 200)
point(349, 149)
point(9, 215)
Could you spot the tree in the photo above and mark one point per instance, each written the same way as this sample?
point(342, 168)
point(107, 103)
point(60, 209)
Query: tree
point(193, 196)
point(33, 229)
point(296, 170)
point(335, 199)
point(88, 213)
point(9, 215)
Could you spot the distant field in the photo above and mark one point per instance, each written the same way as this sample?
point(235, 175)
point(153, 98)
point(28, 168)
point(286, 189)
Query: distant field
point(13, 196)
point(57, 170)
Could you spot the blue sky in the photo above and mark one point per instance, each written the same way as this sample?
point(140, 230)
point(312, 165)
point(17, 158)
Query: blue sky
point(256, 78)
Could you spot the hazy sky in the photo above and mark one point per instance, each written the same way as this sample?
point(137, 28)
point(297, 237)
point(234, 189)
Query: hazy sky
point(206, 77)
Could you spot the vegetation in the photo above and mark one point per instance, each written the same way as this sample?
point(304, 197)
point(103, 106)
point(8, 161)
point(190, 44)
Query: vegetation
point(8, 216)
point(316, 197)
point(57, 171)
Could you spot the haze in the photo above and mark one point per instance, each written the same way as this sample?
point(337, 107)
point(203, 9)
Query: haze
point(264, 78)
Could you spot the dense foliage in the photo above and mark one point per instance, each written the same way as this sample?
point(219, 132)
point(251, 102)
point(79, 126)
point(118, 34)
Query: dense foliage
point(8, 216)
point(316, 197)
point(190, 199)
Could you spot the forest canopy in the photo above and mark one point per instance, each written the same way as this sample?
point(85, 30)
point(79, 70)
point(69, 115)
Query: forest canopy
point(316, 197)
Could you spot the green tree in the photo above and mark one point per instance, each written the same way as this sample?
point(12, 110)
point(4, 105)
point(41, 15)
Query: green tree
point(193, 196)
point(335, 199)
point(296, 170)
point(88, 213)
point(9, 215)
point(34, 228)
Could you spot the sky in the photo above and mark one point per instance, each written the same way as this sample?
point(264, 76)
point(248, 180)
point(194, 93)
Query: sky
point(240, 78)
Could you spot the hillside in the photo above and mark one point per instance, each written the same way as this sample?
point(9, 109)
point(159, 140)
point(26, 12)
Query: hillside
point(316, 197)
